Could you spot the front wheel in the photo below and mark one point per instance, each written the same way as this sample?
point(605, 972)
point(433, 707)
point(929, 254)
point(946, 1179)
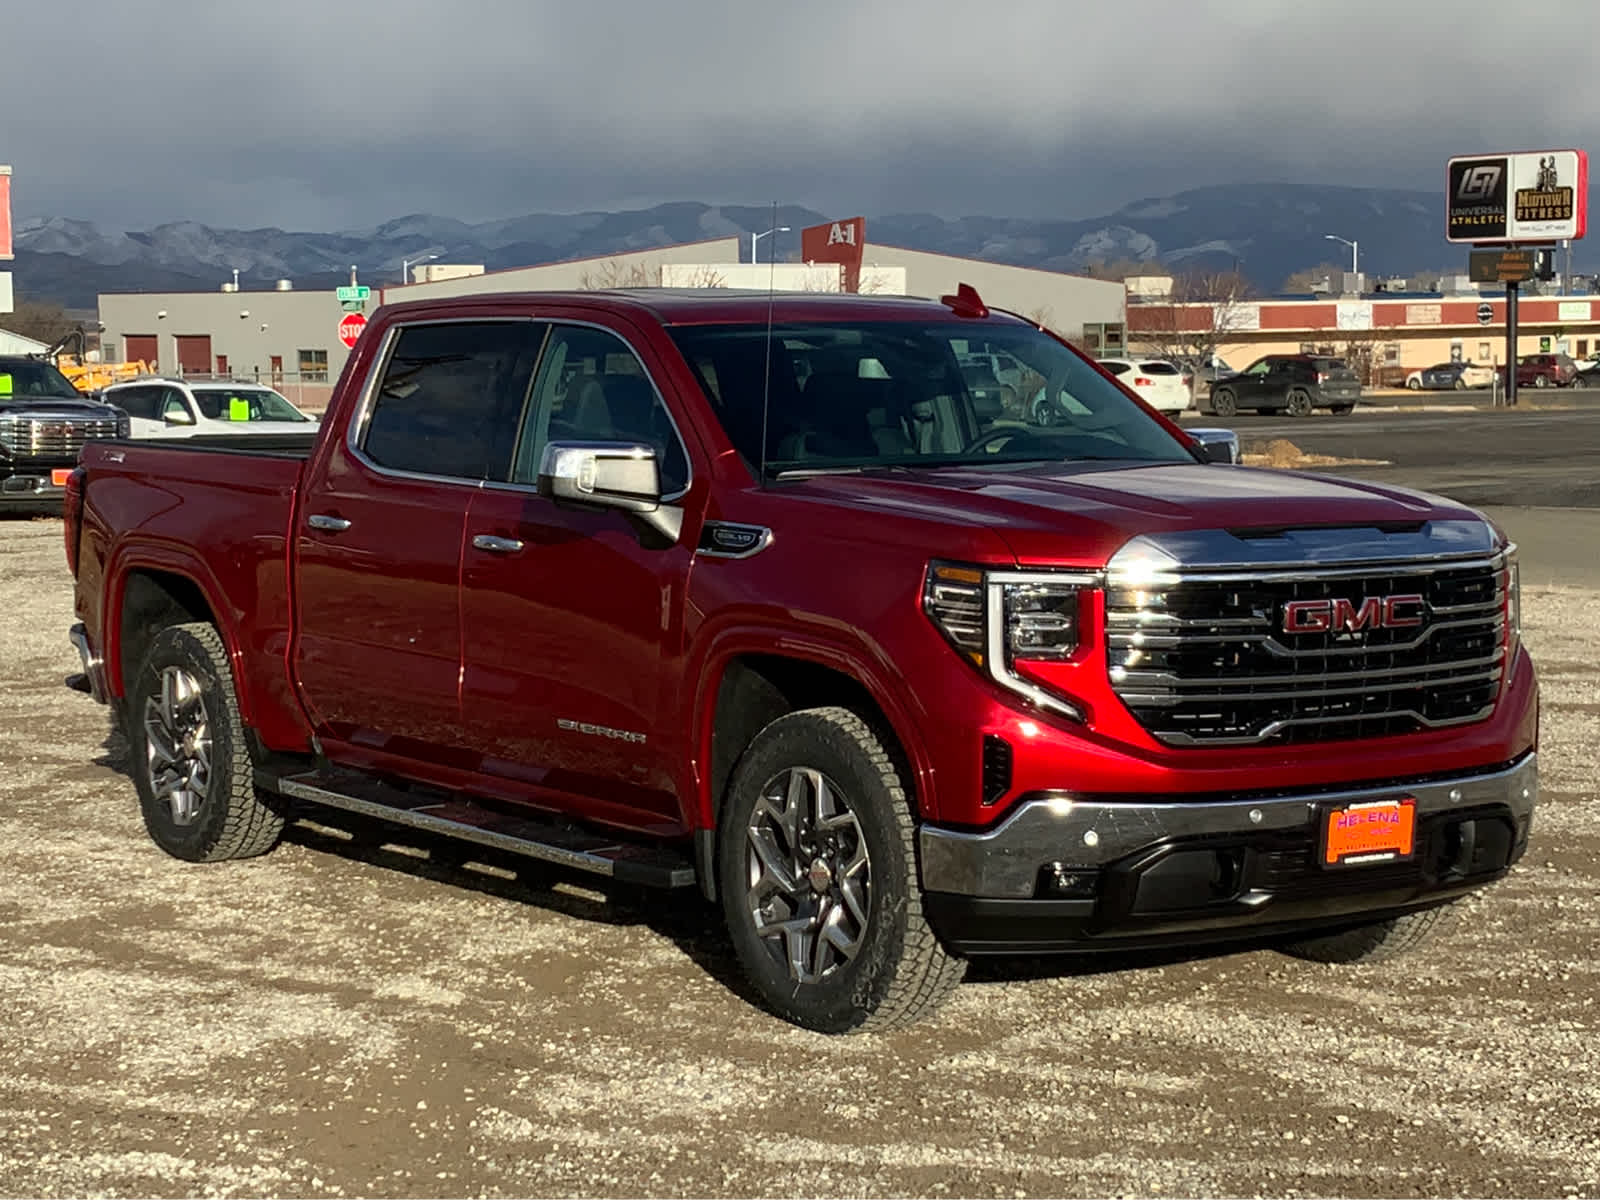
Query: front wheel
point(1224, 403)
point(1541, 381)
point(1299, 403)
point(816, 867)
point(191, 764)
point(1414, 384)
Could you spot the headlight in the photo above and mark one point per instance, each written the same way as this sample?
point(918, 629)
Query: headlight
point(1513, 602)
point(124, 425)
point(998, 618)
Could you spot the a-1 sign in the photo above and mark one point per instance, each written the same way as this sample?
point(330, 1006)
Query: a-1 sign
point(350, 328)
point(1539, 196)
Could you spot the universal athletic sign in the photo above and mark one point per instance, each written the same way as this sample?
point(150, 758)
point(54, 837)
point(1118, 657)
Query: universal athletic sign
point(1535, 196)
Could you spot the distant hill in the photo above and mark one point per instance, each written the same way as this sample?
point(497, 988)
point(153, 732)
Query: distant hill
point(1271, 229)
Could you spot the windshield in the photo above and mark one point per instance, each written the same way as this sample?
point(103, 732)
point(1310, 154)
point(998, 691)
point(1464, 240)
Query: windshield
point(26, 380)
point(245, 404)
point(854, 396)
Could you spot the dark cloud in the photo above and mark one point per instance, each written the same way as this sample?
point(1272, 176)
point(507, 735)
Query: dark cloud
point(297, 115)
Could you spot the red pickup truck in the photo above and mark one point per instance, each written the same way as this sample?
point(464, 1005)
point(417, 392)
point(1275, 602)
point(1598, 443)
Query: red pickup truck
point(753, 595)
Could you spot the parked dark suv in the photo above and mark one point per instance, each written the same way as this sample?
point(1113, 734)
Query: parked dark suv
point(1293, 383)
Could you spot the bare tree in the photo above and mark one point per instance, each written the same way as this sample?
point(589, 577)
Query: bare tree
point(37, 320)
point(1308, 279)
point(613, 274)
point(1202, 314)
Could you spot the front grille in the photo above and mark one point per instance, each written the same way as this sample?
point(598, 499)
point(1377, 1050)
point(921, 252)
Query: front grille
point(48, 437)
point(1208, 661)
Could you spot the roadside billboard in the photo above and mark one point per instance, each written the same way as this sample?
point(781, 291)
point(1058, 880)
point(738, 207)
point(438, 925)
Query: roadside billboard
point(1531, 196)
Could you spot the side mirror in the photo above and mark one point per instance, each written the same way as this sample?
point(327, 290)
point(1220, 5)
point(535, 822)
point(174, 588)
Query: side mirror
point(1217, 445)
point(177, 416)
point(623, 476)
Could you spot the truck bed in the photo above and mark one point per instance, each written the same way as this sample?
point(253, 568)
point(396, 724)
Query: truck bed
point(219, 515)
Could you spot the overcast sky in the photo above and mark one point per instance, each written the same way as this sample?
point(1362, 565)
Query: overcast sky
point(314, 115)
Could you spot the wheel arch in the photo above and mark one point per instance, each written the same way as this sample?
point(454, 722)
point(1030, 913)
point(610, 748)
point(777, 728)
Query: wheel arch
point(747, 685)
point(146, 595)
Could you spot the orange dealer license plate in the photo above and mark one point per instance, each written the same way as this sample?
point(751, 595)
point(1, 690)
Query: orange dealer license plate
point(58, 477)
point(1379, 831)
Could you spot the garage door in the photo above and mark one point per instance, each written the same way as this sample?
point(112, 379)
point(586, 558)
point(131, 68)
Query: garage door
point(194, 353)
point(140, 347)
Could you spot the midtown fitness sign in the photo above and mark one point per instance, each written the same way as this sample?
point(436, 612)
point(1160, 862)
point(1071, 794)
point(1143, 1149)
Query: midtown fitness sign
point(1537, 196)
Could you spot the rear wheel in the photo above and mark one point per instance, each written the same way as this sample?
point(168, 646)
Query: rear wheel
point(1414, 383)
point(1299, 403)
point(816, 867)
point(1224, 403)
point(191, 764)
point(1541, 381)
point(1578, 381)
point(1377, 942)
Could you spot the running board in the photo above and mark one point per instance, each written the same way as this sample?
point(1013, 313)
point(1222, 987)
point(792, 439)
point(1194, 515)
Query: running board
point(454, 816)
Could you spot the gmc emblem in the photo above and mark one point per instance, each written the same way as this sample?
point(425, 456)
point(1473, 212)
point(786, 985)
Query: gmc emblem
point(1342, 616)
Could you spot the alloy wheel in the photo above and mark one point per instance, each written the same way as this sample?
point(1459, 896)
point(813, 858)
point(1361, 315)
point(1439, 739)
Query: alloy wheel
point(808, 873)
point(177, 735)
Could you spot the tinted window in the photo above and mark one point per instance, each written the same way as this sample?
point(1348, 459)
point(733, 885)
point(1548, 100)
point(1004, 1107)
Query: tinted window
point(143, 402)
point(1116, 368)
point(33, 379)
point(592, 388)
point(1157, 368)
point(451, 398)
point(848, 396)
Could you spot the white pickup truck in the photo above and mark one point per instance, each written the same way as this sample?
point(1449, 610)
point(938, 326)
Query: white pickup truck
point(175, 408)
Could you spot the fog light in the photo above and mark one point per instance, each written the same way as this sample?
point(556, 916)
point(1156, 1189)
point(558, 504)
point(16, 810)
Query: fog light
point(1068, 883)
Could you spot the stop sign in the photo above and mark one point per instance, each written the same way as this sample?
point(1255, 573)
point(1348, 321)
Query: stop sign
point(350, 328)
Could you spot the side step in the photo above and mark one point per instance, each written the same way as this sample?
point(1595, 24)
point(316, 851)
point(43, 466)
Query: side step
point(455, 816)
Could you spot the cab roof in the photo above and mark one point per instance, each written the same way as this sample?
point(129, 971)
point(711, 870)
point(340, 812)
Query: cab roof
point(711, 306)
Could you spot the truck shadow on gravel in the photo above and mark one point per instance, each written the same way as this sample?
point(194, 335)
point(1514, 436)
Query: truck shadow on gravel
point(685, 918)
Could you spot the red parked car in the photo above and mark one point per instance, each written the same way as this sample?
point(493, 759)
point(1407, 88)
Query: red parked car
point(702, 590)
point(1543, 371)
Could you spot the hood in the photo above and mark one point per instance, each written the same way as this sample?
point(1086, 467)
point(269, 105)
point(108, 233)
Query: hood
point(49, 406)
point(1081, 514)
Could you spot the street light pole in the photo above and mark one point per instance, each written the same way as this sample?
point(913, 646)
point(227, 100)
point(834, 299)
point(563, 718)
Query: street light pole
point(407, 263)
point(756, 237)
point(1355, 251)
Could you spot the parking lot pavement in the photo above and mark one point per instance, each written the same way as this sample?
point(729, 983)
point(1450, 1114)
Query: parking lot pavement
point(345, 1017)
point(1503, 457)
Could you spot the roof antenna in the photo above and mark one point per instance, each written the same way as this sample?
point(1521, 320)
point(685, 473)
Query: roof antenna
point(766, 371)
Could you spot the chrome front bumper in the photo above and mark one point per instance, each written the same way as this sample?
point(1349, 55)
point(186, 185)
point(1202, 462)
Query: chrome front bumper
point(1005, 862)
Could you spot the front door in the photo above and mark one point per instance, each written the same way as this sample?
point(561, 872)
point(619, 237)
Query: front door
point(378, 654)
point(568, 616)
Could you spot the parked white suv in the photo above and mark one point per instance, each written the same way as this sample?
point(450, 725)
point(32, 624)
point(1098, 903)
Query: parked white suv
point(1157, 382)
point(168, 408)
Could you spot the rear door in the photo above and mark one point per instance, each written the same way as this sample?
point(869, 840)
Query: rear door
point(378, 650)
point(569, 616)
point(142, 403)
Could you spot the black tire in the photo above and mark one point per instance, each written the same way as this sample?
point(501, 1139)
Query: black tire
point(897, 971)
point(1224, 403)
point(222, 816)
point(1377, 942)
point(1414, 384)
point(1578, 381)
point(1460, 384)
point(1342, 410)
point(1541, 381)
point(1298, 403)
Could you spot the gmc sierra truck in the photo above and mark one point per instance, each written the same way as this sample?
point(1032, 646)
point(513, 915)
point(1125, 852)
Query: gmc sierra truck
point(44, 422)
point(752, 595)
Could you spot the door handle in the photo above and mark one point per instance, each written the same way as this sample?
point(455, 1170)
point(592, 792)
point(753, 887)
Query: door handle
point(496, 545)
point(331, 524)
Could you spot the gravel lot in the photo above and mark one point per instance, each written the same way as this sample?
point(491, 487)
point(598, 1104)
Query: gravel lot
point(344, 1018)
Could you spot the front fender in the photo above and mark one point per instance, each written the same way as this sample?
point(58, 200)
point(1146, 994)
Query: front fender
point(843, 650)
